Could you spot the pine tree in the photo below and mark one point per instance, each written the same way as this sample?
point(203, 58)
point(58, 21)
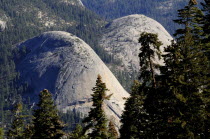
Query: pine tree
point(186, 76)
point(96, 122)
point(112, 131)
point(149, 49)
point(77, 133)
point(173, 100)
point(137, 122)
point(134, 118)
point(28, 131)
point(206, 96)
point(191, 17)
point(206, 26)
point(17, 128)
point(184, 83)
point(206, 29)
point(1, 133)
point(46, 122)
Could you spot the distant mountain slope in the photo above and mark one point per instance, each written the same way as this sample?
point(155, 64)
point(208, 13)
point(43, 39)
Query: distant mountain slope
point(27, 18)
point(120, 40)
point(164, 11)
point(67, 67)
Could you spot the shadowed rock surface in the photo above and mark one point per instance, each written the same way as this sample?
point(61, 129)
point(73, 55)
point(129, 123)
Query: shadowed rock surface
point(68, 68)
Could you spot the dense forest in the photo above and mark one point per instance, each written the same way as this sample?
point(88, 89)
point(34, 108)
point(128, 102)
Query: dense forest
point(163, 11)
point(174, 103)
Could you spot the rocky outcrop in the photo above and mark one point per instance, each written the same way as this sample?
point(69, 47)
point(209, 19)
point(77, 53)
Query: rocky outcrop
point(73, 2)
point(68, 67)
point(2, 25)
point(121, 36)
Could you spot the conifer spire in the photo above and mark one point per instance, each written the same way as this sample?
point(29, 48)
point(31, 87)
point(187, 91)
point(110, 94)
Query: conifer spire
point(113, 134)
point(46, 122)
point(150, 47)
point(193, 2)
point(17, 128)
point(96, 120)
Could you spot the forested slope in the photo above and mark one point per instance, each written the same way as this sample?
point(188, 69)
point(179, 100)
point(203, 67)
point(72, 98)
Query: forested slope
point(164, 11)
point(27, 18)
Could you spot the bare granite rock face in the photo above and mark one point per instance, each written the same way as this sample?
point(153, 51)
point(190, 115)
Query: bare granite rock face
point(68, 68)
point(2, 25)
point(80, 3)
point(73, 2)
point(121, 39)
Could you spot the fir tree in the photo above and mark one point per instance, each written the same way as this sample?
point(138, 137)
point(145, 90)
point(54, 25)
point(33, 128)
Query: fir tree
point(17, 128)
point(96, 120)
point(112, 131)
point(46, 122)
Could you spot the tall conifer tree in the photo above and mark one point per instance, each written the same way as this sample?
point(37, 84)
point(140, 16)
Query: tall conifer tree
point(190, 17)
point(137, 122)
point(186, 73)
point(150, 46)
point(17, 128)
point(174, 100)
point(150, 50)
point(46, 122)
point(112, 131)
point(1, 133)
point(206, 26)
point(77, 133)
point(96, 120)
point(206, 29)
point(134, 118)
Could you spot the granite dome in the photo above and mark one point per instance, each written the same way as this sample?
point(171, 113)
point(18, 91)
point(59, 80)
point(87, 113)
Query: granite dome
point(68, 67)
point(120, 39)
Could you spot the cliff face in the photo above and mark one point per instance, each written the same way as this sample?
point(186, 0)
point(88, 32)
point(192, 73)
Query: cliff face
point(121, 36)
point(67, 67)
